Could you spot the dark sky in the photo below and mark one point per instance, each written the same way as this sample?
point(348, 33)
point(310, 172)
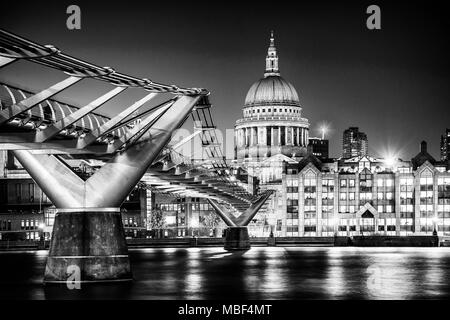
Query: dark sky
point(392, 83)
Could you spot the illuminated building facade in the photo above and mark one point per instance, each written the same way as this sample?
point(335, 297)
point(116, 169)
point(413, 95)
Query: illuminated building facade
point(365, 196)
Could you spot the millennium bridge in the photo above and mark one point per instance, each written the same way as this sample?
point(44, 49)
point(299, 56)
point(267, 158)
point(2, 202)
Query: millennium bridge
point(135, 147)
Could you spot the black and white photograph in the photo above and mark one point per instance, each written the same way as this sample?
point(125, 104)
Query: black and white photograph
point(245, 151)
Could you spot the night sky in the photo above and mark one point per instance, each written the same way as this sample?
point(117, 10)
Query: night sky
point(392, 83)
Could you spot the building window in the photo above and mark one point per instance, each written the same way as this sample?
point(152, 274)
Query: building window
point(426, 204)
point(18, 192)
point(310, 196)
point(406, 197)
point(279, 224)
point(365, 187)
point(443, 207)
point(31, 192)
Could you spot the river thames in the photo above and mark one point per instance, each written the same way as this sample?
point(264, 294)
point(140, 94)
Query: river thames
point(260, 273)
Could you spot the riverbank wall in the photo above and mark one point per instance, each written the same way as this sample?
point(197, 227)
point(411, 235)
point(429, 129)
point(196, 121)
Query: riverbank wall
point(356, 241)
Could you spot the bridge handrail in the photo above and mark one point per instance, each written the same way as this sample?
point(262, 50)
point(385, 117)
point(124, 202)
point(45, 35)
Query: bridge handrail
point(17, 47)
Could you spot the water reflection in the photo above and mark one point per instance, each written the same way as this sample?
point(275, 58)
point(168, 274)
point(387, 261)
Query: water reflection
point(335, 283)
point(260, 273)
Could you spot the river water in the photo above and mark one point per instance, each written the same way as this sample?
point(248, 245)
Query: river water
point(260, 273)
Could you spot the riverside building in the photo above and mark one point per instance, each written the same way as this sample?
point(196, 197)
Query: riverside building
point(362, 196)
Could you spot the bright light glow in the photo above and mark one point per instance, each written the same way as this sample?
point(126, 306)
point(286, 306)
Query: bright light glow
point(324, 129)
point(41, 226)
point(171, 220)
point(334, 221)
point(194, 223)
point(390, 161)
point(391, 153)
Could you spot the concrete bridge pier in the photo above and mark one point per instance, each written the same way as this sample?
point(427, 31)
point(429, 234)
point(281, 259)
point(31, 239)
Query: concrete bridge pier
point(88, 244)
point(236, 238)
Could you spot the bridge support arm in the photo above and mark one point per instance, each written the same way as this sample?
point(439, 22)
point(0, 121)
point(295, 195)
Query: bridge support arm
point(245, 218)
point(96, 133)
point(110, 185)
point(54, 129)
point(37, 98)
point(227, 217)
point(61, 185)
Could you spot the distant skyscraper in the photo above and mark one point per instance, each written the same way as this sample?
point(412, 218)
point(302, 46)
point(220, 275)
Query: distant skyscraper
point(354, 143)
point(319, 147)
point(445, 145)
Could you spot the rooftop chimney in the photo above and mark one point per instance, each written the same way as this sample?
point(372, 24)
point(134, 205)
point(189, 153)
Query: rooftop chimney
point(423, 146)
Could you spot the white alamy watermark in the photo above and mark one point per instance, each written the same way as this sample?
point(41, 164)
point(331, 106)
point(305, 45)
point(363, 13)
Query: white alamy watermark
point(374, 20)
point(74, 277)
point(73, 21)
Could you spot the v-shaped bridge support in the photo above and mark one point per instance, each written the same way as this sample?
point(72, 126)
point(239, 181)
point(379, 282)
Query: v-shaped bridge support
point(244, 218)
point(236, 235)
point(110, 185)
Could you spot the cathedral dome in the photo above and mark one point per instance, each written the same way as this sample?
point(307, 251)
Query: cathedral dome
point(272, 90)
point(272, 122)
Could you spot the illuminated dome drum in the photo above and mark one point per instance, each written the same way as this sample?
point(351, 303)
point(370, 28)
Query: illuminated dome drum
point(272, 122)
